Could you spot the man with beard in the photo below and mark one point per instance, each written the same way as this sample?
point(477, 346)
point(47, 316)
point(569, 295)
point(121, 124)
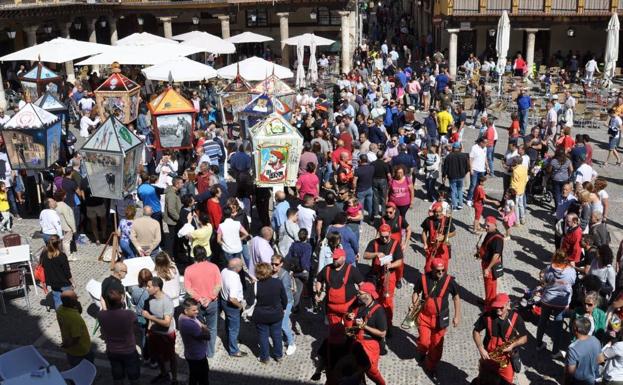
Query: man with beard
point(74, 333)
point(338, 281)
point(386, 255)
point(274, 170)
point(434, 231)
point(398, 224)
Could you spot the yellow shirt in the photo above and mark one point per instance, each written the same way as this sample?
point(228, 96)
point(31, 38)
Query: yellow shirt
point(444, 120)
point(4, 202)
point(201, 237)
point(519, 179)
point(72, 325)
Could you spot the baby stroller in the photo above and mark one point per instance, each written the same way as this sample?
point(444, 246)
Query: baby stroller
point(539, 190)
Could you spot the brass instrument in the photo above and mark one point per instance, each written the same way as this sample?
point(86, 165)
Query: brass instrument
point(351, 331)
point(386, 274)
point(445, 236)
point(411, 319)
point(499, 356)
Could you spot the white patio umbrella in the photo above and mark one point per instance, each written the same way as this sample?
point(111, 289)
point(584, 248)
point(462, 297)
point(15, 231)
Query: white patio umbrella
point(313, 63)
point(144, 38)
point(193, 35)
point(248, 37)
point(180, 69)
point(300, 70)
point(255, 69)
point(140, 55)
point(612, 46)
point(59, 50)
point(502, 42)
point(212, 44)
point(307, 39)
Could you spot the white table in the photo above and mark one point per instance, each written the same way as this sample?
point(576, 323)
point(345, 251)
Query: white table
point(18, 254)
point(54, 377)
point(135, 265)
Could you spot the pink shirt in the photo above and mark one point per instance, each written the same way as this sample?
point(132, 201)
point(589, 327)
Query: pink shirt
point(308, 183)
point(400, 193)
point(201, 278)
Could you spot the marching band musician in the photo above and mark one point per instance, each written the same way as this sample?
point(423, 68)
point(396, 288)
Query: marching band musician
point(370, 320)
point(339, 280)
point(398, 224)
point(490, 254)
point(505, 331)
point(434, 288)
point(434, 231)
point(376, 250)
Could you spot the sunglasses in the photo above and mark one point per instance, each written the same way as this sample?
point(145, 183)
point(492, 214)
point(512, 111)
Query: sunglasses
point(276, 264)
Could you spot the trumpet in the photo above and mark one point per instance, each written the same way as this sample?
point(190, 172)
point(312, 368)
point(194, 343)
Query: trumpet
point(412, 317)
point(499, 356)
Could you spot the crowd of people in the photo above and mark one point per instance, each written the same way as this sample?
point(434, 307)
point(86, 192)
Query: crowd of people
point(248, 254)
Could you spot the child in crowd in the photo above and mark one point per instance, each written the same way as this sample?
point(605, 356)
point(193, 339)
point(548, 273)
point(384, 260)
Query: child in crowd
point(507, 209)
point(5, 224)
point(354, 213)
point(480, 197)
point(513, 130)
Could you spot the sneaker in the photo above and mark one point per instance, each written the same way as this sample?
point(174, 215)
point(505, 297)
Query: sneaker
point(290, 350)
point(460, 208)
point(239, 354)
point(278, 359)
point(265, 362)
point(470, 203)
point(316, 376)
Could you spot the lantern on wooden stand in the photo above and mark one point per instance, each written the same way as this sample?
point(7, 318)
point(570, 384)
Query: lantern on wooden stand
point(49, 102)
point(118, 96)
point(39, 80)
point(173, 119)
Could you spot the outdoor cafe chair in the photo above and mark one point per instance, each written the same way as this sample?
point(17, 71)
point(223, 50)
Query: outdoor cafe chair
point(13, 281)
point(82, 374)
point(22, 360)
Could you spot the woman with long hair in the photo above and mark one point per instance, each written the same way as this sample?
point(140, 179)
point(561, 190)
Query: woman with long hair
point(600, 189)
point(558, 279)
point(138, 296)
point(166, 269)
point(401, 190)
point(271, 301)
point(56, 267)
point(602, 267)
point(559, 169)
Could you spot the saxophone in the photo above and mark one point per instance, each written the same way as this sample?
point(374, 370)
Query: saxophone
point(411, 319)
point(351, 331)
point(386, 274)
point(499, 356)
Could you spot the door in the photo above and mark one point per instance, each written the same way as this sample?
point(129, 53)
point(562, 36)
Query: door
point(466, 45)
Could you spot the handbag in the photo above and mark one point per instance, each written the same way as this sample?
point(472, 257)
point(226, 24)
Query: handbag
point(248, 311)
point(515, 361)
point(497, 270)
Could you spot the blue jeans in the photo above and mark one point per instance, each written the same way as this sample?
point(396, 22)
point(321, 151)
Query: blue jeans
point(366, 197)
point(556, 332)
point(520, 207)
point(274, 332)
point(126, 247)
point(209, 316)
point(431, 189)
point(523, 122)
point(285, 325)
point(56, 296)
point(473, 182)
point(490, 155)
point(379, 195)
point(456, 192)
point(229, 256)
point(246, 255)
point(232, 325)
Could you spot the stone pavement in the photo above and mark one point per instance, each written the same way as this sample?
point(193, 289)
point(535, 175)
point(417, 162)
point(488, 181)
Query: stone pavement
point(524, 255)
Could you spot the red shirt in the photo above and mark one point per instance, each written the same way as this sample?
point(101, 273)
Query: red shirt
point(215, 213)
point(335, 156)
point(201, 278)
point(348, 141)
point(513, 130)
point(203, 182)
point(566, 142)
point(589, 154)
point(307, 184)
point(571, 244)
point(479, 195)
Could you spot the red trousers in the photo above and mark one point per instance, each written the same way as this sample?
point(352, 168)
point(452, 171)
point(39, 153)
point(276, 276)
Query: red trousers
point(437, 252)
point(491, 287)
point(490, 366)
point(430, 341)
point(335, 314)
point(387, 301)
point(373, 351)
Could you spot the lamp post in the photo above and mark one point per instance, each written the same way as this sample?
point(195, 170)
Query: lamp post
point(140, 20)
point(11, 33)
point(571, 32)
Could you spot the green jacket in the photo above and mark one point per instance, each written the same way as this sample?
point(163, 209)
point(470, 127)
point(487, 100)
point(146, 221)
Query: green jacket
point(172, 206)
point(599, 317)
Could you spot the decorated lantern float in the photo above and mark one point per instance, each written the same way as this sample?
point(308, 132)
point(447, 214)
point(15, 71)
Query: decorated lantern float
point(49, 102)
point(39, 80)
point(111, 156)
point(173, 119)
point(233, 98)
point(118, 96)
point(32, 138)
point(276, 147)
point(283, 94)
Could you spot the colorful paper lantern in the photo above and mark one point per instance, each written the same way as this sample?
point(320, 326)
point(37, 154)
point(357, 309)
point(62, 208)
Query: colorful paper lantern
point(39, 80)
point(173, 118)
point(118, 96)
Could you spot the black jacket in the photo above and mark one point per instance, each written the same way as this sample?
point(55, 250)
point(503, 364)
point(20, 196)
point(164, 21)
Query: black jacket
point(271, 300)
point(456, 165)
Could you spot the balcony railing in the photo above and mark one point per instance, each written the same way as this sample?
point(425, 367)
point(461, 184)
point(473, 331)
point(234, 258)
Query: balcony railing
point(467, 6)
point(596, 5)
point(530, 6)
point(565, 6)
point(499, 5)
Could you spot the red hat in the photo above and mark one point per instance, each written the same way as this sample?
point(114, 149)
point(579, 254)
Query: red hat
point(391, 204)
point(491, 220)
point(337, 253)
point(385, 228)
point(278, 154)
point(438, 262)
point(436, 206)
point(368, 287)
point(500, 300)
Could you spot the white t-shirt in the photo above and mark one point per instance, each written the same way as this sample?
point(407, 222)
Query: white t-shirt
point(230, 231)
point(591, 66)
point(613, 371)
point(585, 173)
point(172, 286)
point(478, 158)
point(86, 104)
point(307, 217)
point(232, 286)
